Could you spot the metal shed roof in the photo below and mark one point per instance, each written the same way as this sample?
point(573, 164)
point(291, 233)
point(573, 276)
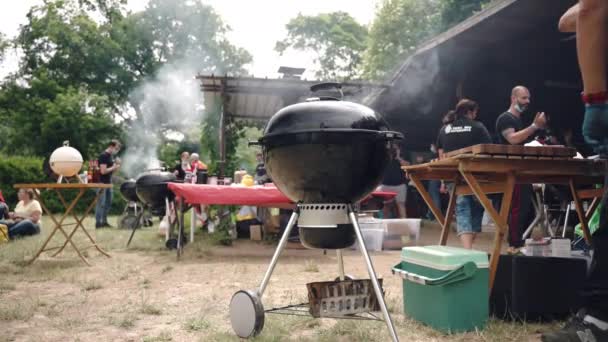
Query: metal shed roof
point(259, 98)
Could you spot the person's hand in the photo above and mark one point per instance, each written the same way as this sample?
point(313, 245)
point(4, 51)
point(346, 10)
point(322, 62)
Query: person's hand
point(595, 128)
point(443, 189)
point(540, 120)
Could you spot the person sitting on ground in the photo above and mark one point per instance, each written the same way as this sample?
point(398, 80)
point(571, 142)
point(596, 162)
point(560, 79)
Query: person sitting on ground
point(25, 220)
point(3, 208)
point(460, 131)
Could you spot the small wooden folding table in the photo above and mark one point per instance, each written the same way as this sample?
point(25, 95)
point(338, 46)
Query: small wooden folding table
point(485, 169)
point(69, 211)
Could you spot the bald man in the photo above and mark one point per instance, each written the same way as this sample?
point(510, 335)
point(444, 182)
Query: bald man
point(509, 125)
point(511, 131)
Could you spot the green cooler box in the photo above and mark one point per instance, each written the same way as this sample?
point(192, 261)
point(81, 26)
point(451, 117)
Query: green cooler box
point(445, 287)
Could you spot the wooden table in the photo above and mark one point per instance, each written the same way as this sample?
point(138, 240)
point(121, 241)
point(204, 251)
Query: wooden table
point(485, 169)
point(59, 224)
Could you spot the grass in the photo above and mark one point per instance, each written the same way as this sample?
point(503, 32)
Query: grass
point(164, 336)
point(196, 324)
point(22, 310)
point(129, 269)
point(7, 287)
point(310, 266)
point(147, 308)
point(126, 321)
point(92, 285)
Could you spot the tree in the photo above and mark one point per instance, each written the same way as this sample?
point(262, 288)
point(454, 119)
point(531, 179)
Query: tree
point(398, 28)
point(67, 53)
point(4, 44)
point(455, 11)
point(336, 38)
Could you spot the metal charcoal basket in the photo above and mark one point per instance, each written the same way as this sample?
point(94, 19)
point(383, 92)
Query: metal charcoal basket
point(342, 298)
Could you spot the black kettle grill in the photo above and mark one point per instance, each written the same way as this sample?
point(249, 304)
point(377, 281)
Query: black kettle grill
point(127, 190)
point(325, 154)
point(151, 189)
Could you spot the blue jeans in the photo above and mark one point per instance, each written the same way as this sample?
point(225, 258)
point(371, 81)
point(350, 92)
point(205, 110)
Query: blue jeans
point(433, 187)
point(102, 209)
point(21, 228)
point(469, 214)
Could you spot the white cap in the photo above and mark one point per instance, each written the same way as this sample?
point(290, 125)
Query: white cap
point(194, 156)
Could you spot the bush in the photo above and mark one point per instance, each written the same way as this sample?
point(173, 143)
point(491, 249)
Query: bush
point(26, 169)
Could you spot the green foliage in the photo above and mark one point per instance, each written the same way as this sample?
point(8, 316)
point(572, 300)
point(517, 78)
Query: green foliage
point(398, 28)
point(245, 155)
point(337, 39)
point(223, 216)
point(234, 130)
point(83, 59)
point(455, 11)
point(4, 44)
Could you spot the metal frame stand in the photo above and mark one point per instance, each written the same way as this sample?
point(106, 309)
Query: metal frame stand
point(370, 267)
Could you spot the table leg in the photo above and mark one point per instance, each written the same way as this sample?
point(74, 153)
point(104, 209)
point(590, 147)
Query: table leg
point(449, 215)
point(58, 226)
point(499, 218)
point(79, 223)
point(445, 221)
point(427, 198)
point(580, 212)
point(89, 208)
point(180, 221)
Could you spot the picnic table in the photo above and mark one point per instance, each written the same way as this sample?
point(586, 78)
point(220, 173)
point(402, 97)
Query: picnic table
point(487, 168)
point(59, 224)
point(259, 196)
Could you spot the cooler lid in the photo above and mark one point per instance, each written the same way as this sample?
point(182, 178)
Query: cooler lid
point(443, 258)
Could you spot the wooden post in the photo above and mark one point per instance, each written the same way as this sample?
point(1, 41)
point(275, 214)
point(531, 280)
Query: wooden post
point(222, 130)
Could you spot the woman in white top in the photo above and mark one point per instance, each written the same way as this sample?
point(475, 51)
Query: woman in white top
point(25, 220)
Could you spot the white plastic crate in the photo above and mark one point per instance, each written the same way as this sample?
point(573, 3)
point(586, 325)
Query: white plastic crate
point(373, 239)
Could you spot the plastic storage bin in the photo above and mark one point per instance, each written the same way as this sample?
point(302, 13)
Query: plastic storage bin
point(445, 287)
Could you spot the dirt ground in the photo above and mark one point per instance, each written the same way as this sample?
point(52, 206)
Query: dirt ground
point(144, 294)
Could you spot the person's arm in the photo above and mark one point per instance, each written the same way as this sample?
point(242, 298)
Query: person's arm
point(103, 165)
point(516, 138)
point(567, 23)
point(35, 216)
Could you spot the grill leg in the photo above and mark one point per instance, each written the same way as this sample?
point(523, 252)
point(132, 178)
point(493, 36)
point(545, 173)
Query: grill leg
point(292, 222)
point(340, 264)
point(372, 275)
point(135, 226)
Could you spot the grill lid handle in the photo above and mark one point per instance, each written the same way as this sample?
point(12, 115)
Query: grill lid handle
point(327, 86)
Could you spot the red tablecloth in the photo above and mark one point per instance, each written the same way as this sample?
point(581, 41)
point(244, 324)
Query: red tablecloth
point(261, 196)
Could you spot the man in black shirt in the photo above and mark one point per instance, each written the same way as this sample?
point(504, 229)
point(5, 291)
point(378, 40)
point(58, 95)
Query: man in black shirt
point(107, 166)
point(460, 131)
point(511, 131)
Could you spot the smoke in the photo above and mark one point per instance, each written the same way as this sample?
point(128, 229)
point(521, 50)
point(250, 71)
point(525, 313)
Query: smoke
point(416, 81)
point(168, 105)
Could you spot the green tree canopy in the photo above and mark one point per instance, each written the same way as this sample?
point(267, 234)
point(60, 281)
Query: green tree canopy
point(400, 26)
point(337, 39)
point(4, 44)
point(83, 59)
